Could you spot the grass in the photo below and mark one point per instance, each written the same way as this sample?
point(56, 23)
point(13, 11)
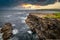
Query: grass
point(55, 15)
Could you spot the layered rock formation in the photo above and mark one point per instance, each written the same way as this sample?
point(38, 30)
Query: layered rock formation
point(46, 26)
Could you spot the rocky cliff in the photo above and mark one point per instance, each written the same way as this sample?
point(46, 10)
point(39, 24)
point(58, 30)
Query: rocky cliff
point(46, 26)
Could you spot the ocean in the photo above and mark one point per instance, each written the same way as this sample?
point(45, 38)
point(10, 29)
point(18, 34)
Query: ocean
point(17, 19)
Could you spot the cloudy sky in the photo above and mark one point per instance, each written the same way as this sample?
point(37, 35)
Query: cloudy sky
point(17, 4)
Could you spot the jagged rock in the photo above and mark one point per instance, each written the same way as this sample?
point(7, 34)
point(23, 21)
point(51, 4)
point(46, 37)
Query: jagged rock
point(47, 28)
point(7, 31)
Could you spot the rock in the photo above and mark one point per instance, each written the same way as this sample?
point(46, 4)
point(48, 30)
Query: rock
point(7, 31)
point(45, 27)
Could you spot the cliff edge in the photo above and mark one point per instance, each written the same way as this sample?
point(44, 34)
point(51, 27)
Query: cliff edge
point(46, 26)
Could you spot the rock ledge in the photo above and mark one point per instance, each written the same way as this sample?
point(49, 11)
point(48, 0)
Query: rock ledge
point(45, 27)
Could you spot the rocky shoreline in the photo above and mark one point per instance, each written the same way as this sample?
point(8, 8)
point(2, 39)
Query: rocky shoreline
point(46, 28)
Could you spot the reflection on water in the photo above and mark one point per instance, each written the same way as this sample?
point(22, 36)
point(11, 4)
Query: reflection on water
point(18, 22)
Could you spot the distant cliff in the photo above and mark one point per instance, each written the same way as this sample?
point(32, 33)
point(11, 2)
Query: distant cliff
point(46, 26)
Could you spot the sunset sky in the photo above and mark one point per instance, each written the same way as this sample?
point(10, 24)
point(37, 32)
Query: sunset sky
point(29, 4)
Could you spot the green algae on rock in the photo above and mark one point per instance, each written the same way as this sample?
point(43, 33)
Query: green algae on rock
point(54, 15)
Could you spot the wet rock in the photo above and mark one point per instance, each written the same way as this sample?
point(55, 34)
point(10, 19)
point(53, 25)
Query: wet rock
point(45, 28)
point(7, 31)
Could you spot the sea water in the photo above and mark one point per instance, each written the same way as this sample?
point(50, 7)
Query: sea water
point(17, 19)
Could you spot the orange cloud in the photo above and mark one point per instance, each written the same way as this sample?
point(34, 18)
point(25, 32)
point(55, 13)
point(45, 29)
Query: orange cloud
point(51, 6)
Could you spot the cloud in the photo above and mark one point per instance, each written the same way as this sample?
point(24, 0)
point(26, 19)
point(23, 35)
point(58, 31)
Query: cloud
point(12, 3)
point(34, 7)
point(8, 3)
point(16, 4)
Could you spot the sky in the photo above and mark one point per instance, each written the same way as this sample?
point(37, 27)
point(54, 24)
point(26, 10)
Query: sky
point(16, 4)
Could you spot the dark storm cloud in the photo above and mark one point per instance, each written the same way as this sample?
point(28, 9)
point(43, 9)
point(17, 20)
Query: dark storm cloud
point(8, 3)
point(59, 0)
point(4, 3)
point(42, 2)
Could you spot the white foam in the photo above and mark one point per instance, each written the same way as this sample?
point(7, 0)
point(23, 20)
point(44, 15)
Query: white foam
point(23, 18)
point(30, 32)
point(23, 21)
point(13, 25)
point(15, 31)
point(8, 16)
